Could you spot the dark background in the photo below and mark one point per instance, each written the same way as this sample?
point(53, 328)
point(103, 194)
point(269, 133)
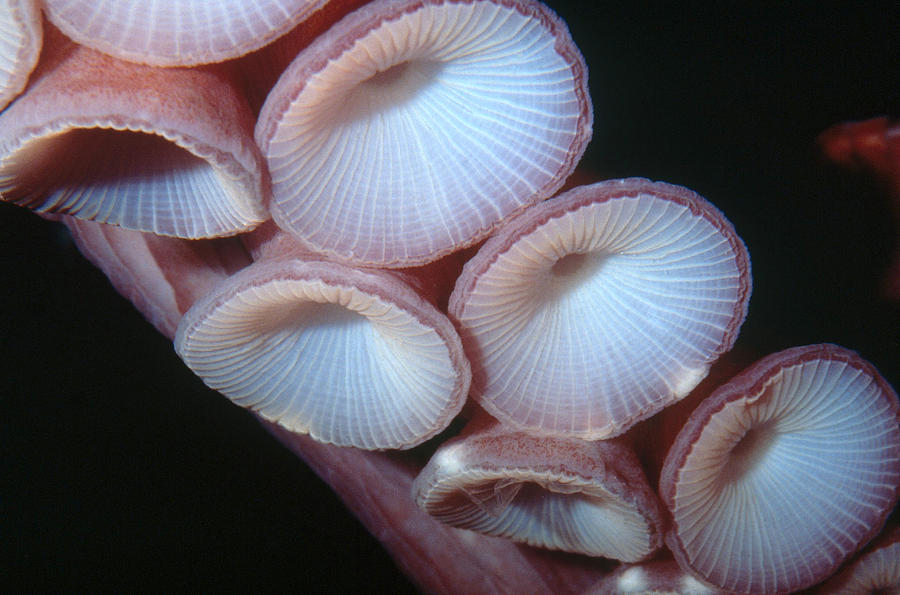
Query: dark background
point(120, 471)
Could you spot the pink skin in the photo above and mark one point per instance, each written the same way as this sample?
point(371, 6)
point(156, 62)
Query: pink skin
point(163, 276)
point(149, 270)
point(873, 147)
point(433, 282)
point(74, 89)
point(499, 451)
point(438, 559)
point(375, 486)
point(649, 140)
point(260, 70)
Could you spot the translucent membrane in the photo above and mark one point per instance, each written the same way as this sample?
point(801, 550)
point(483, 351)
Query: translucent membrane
point(20, 45)
point(349, 357)
point(597, 308)
point(784, 472)
point(168, 151)
point(588, 498)
point(410, 129)
point(177, 32)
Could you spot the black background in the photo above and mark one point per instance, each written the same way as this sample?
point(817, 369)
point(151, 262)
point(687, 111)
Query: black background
point(119, 471)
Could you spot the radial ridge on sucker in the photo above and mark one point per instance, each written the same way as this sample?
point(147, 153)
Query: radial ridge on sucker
point(410, 129)
point(162, 150)
point(599, 307)
point(21, 35)
point(177, 32)
point(566, 494)
point(782, 473)
point(350, 357)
